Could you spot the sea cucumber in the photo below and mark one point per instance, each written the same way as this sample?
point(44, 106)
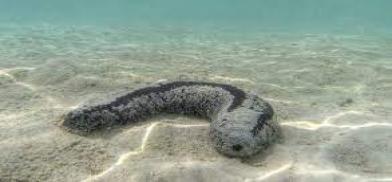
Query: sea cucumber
point(242, 124)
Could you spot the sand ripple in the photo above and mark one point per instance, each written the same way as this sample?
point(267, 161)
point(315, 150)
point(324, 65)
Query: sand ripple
point(332, 94)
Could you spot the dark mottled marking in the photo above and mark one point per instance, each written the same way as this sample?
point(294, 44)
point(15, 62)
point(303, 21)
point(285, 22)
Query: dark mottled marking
point(262, 120)
point(239, 95)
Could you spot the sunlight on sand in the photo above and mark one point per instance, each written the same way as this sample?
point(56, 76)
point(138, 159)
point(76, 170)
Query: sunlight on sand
point(230, 79)
point(319, 172)
point(278, 100)
point(271, 173)
point(125, 156)
point(139, 150)
point(23, 84)
point(14, 116)
point(309, 125)
point(54, 103)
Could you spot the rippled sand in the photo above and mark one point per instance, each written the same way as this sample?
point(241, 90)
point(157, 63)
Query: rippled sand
point(332, 94)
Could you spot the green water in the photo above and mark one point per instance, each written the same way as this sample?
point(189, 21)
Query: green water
point(328, 15)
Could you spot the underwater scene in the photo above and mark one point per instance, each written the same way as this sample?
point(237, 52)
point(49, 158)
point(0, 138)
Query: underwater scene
point(195, 90)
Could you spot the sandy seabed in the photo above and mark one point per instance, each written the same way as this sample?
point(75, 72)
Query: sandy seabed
point(332, 94)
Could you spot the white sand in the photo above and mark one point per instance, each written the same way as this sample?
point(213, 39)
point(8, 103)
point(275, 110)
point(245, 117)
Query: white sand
point(332, 94)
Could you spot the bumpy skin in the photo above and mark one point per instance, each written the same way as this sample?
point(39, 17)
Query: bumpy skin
point(242, 124)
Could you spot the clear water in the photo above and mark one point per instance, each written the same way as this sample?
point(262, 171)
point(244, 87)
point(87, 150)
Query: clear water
point(325, 66)
point(350, 15)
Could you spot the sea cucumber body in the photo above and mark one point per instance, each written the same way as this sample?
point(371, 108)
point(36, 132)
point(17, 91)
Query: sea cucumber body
point(241, 124)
